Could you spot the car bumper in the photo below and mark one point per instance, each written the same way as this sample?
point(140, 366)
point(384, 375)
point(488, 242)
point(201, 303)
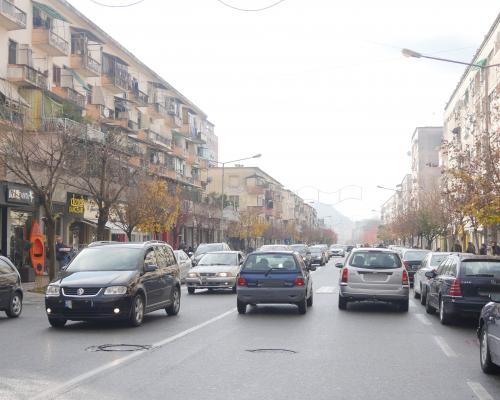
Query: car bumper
point(211, 283)
point(76, 309)
point(271, 295)
point(374, 294)
point(460, 306)
point(316, 260)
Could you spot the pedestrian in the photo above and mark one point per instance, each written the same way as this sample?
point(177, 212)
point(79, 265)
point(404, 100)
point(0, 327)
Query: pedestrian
point(61, 252)
point(457, 247)
point(471, 248)
point(483, 249)
point(190, 250)
point(495, 249)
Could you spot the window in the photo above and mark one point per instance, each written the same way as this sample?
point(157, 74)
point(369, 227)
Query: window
point(235, 202)
point(161, 257)
point(442, 267)
point(56, 75)
point(5, 268)
point(106, 258)
point(150, 258)
point(170, 256)
point(263, 262)
point(12, 52)
point(374, 260)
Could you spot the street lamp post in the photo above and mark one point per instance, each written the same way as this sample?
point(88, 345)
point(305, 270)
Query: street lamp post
point(391, 189)
point(222, 189)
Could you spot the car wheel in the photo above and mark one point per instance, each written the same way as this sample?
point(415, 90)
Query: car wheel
point(302, 305)
point(16, 306)
point(342, 303)
point(57, 322)
point(415, 294)
point(233, 289)
point(174, 307)
point(484, 351)
point(242, 307)
point(428, 308)
point(404, 305)
point(191, 290)
point(444, 316)
point(137, 311)
point(423, 295)
point(310, 300)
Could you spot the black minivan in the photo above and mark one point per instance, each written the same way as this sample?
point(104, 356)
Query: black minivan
point(462, 285)
point(115, 281)
point(11, 293)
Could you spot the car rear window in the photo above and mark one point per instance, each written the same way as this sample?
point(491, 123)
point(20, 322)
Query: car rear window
point(436, 259)
point(219, 259)
point(374, 260)
point(205, 248)
point(488, 268)
point(265, 262)
point(414, 255)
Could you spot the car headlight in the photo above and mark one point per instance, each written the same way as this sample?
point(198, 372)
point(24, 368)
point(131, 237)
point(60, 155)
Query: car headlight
point(53, 290)
point(115, 290)
point(192, 275)
point(224, 274)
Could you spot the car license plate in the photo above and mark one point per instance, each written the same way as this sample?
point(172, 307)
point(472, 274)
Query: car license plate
point(68, 303)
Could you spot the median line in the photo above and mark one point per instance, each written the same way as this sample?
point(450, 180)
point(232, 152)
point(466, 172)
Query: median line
point(77, 380)
point(447, 350)
point(479, 390)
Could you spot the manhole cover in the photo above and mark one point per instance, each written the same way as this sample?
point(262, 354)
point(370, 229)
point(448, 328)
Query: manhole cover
point(286, 351)
point(119, 347)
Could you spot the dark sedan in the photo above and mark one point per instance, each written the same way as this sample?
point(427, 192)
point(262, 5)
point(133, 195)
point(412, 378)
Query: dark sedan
point(489, 335)
point(11, 294)
point(412, 258)
point(462, 285)
point(116, 281)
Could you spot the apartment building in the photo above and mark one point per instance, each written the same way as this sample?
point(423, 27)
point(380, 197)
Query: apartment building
point(58, 68)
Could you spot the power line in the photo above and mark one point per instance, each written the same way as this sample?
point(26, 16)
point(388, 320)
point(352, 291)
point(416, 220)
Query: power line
point(251, 9)
point(117, 5)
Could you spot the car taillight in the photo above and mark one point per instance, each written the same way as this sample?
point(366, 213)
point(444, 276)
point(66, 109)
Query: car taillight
point(299, 281)
point(405, 278)
point(455, 289)
point(345, 275)
point(242, 281)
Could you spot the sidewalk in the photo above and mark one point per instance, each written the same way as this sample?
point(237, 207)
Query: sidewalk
point(28, 287)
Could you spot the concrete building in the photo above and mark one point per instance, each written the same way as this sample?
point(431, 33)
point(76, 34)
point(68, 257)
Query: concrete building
point(58, 68)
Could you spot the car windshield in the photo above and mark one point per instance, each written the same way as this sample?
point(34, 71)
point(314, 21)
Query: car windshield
point(265, 262)
point(415, 255)
point(489, 268)
point(374, 260)
point(437, 258)
point(219, 259)
point(316, 250)
point(205, 248)
point(106, 259)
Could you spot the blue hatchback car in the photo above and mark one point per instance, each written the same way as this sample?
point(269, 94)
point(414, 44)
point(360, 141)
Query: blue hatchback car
point(278, 277)
point(489, 334)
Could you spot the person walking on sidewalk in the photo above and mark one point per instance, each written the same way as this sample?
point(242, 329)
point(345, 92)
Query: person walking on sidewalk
point(471, 248)
point(483, 249)
point(61, 252)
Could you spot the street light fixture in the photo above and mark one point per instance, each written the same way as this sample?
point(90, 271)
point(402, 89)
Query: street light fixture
point(386, 188)
point(416, 54)
point(222, 188)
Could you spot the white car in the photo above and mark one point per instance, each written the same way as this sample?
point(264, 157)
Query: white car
point(429, 263)
point(185, 263)
point(337, 250)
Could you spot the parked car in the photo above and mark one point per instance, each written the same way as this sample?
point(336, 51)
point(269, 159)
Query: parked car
point(217, 270)
point(489, 335)
point(430, 262)
point(185, 263)
point(303, 250)
point(275, 247)
point(373, 274)
point(461, 285)
point(318, 255)
point(337, 250)
point(325, 249)
point(278, 277)
point(11, 292)
point(412, 259)
point(204, 248)
point(116, 282)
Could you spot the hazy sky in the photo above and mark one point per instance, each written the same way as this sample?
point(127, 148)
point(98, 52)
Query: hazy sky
point(319, 87)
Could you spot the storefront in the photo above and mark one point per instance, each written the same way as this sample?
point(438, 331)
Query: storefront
point(18, 213)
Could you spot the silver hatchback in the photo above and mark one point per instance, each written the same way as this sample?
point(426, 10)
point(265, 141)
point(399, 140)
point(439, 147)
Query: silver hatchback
point(374, 274)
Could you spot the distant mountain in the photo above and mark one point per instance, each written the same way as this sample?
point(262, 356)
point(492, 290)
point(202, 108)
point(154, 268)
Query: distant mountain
point(341, 224)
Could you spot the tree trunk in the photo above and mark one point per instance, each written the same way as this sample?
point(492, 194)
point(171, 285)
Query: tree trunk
point(101, 223)
point(129, 233)
point(50, 224)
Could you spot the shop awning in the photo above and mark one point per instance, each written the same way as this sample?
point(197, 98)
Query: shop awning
point(79, 79)
point(90, 35)
point(49, 11)
point(10, 91)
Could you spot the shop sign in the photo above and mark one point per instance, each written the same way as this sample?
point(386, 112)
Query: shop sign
point(19, 194)
point(76, 203)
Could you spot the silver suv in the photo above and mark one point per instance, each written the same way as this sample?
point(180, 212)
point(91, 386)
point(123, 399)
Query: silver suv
point(373, 274)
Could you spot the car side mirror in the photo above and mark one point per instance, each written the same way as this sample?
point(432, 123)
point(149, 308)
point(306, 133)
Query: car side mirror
point(430, 274)
point(150, 267)
point(339, 265)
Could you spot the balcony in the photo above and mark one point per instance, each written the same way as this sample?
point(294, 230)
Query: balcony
point(115, 76)
point(71, 95)
point(139, 97)
point(50, 42)
point(24, 75)
point(85, 65)
point(11, 17)
point(76, 129)
point(179, 152)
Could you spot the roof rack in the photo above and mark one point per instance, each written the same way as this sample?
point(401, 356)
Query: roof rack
point(102, 243)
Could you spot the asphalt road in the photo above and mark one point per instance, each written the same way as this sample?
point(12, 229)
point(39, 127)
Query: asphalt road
point(371, 351)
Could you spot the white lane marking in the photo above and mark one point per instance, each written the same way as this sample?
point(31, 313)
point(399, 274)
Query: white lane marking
point(326, 289)
point(479, 390)
point(447, 350)
point(71, 383)
point(423, 319)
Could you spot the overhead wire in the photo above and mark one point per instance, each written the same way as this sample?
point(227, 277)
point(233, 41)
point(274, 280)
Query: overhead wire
point(117, 5)
point(251, 9)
